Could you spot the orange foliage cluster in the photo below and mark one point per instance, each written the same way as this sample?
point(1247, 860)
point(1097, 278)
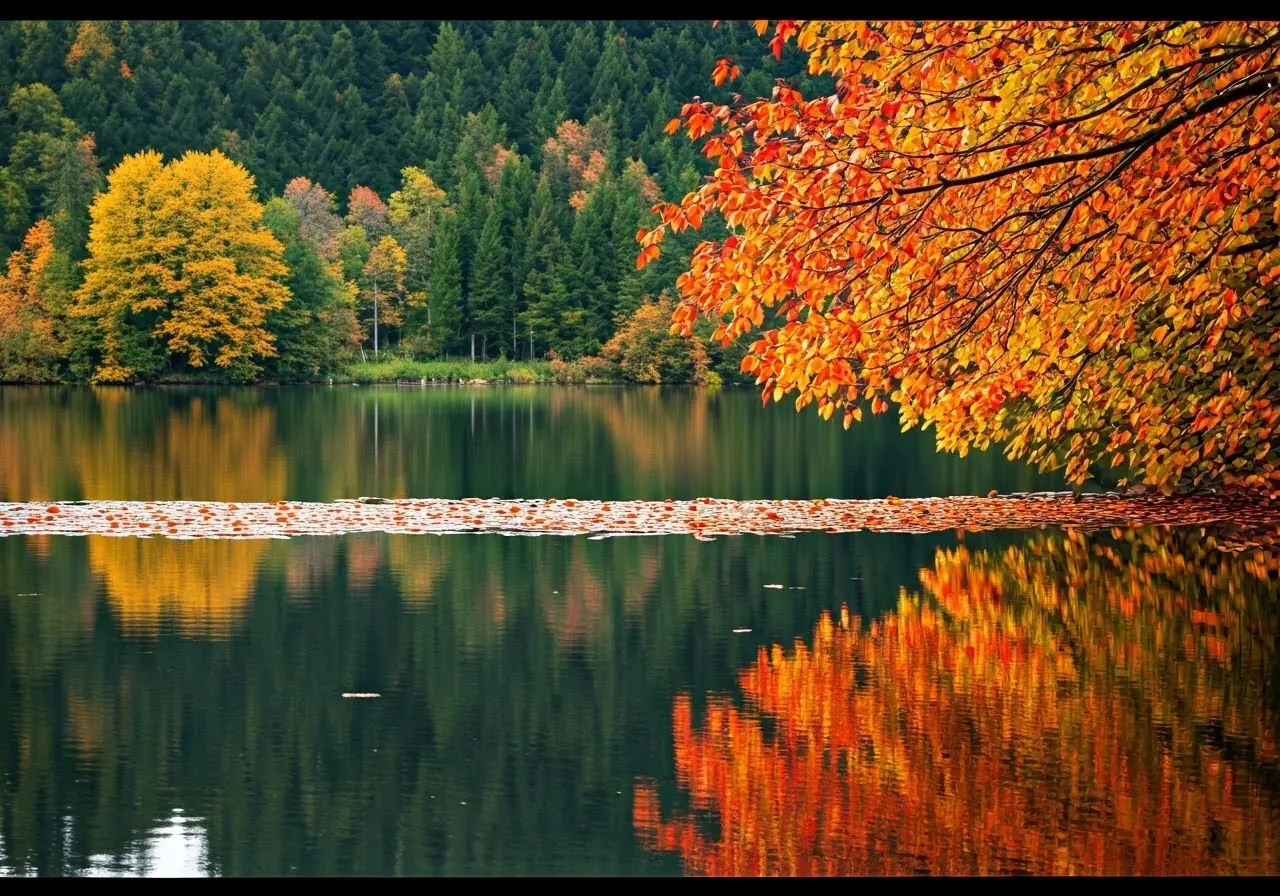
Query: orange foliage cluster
point(583, 148)
point(646, 353)
point(92, 49)
point(1015, 728)
point(27, 338)
point(366, 209)
point(493, 171)
point(317, 220)
point(1060, 237)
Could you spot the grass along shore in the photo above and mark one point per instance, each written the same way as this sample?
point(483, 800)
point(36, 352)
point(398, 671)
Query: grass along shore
point(405, 370)
point(398, 370)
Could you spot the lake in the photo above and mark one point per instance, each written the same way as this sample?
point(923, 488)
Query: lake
point(862, 703)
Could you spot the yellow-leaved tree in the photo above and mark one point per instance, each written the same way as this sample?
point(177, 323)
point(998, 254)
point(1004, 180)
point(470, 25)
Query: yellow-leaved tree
point(181, 272)
point(384, 285)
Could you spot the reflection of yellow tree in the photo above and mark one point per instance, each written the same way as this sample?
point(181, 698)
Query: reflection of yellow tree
point(365, 553)
point(205, 585)
point(1073, 706)
point(228, 453)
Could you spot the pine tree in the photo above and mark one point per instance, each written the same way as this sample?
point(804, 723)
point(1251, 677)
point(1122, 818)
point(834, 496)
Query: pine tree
point(545, 293)
point(489, 296)
point(516, 93)
point(513, 195)
point(614, 79)
point(594, 272)
point(473, 206)
point(580, 59)
point(444, 288)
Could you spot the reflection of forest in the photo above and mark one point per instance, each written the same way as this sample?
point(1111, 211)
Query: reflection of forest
point(98, 444)
point(524, 676)
point(532, 678)
point(323, 444)
point(1084, 706)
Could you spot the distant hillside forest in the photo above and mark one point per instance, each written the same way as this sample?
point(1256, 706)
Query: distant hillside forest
point(477, 185)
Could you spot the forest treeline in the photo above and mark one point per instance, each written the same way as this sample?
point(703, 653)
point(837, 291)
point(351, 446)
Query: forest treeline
point(239, 200)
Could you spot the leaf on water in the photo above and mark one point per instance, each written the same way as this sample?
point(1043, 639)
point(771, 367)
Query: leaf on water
point(779, 587)
point(360, 696)
point(741, 631)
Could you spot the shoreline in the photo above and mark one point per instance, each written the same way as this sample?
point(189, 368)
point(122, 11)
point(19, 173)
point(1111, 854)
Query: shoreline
point(408, 373)
point(348, 382)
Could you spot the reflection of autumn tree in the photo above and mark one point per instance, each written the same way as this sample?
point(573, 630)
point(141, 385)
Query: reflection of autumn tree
point(204, 585)
point(597, 588)
point(583, 587)
point(1075, 706)
point(84, 725)
point(38, 426)
point(657, 436)
point(202, 450)
point(307, 563)
point(220, 450)
point(364, 555)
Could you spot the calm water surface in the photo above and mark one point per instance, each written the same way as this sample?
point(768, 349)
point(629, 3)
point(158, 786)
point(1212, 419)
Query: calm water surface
point(1015, 702)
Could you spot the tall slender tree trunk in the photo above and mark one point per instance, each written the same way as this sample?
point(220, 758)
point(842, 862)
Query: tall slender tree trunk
point(473, 348)
point(375, 320)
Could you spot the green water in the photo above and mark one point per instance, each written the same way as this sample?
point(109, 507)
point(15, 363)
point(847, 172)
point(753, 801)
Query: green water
point(1107, 703)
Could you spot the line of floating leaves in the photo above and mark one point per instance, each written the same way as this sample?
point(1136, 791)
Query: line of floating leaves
point(703, 518)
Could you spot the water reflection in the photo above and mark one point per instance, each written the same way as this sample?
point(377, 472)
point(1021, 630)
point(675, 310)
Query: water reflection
point(1077, 703)
point(512, 442)
point(1104, 702)
point(176, 848)
point(202, 585)
point(1072, 706)
point(525, 682)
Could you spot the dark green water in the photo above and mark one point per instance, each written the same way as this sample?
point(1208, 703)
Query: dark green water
point(550, 705)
